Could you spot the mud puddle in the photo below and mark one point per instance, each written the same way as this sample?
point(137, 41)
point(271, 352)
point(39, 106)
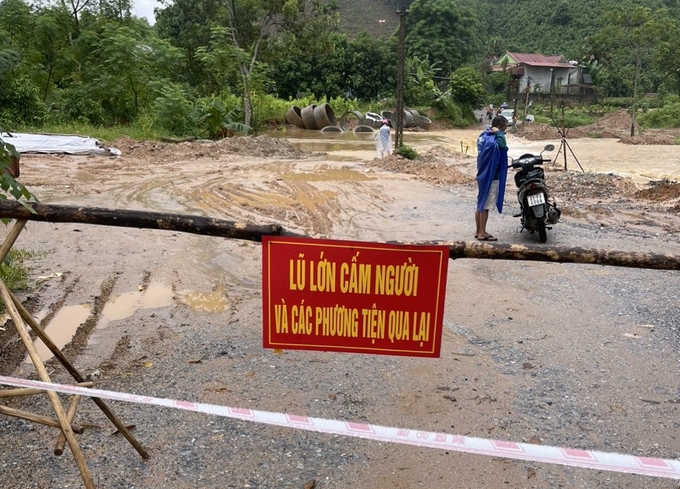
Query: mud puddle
point(642, 163)
point(63, 326)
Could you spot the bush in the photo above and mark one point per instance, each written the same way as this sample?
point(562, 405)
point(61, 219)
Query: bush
point(20, 104)
point(77, 106)
point(174, 111)
point(407, 152)
point(13, 272)
point(666, 117)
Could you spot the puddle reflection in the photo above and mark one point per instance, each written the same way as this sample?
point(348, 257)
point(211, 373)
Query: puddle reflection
point(125, 305)
point(61, 329)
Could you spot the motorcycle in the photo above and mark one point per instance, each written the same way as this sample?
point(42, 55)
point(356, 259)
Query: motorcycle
point(536, 211)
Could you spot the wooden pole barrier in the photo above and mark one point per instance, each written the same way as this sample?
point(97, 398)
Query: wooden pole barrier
point(44, 376)
point(562, 254)
point(70, 414)
point(4, 250)
point(251, 232)
point(37, 418)
point(138, 219)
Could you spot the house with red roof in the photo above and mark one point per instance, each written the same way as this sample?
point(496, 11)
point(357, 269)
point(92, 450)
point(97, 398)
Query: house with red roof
point(547, 74)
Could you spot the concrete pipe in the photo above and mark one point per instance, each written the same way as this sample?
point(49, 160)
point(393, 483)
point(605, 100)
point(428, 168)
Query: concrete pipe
point(363, 128)
point(307, 115)
point(324, 116)
point(424, 122)
point(294, 116)
point(343, 119)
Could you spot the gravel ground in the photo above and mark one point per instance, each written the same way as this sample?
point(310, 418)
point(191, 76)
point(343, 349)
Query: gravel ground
point(559, 354)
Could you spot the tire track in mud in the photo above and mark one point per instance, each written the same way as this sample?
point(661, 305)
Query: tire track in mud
point(79, 341)
point(12, 352)
point(308, 198)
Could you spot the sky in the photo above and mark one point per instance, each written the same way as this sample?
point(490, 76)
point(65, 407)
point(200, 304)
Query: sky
point(144, 8)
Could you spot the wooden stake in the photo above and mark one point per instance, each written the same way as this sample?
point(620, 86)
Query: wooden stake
point(11, 238)
point(33, 392)
point(61, 439)
point(77, 376)
point(44, 376)
point(17, 413)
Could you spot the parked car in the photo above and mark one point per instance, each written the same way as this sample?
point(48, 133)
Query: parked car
point(509, 114)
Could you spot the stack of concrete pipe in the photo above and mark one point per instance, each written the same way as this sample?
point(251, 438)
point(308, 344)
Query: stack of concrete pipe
point(321, 117)
point(312, 117)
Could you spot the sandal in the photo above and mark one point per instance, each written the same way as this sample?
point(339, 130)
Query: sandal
point(487, 237)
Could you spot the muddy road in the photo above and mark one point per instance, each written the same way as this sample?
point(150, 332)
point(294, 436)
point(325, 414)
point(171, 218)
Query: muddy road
point(568, 355)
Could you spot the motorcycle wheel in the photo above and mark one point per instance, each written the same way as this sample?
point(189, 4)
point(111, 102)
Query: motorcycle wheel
point(540, 225)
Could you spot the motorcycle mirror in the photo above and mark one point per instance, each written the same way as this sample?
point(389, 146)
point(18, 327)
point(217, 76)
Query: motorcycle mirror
point(549, 147)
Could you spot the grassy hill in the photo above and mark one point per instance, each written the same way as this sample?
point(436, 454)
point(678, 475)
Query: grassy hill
point(358, 15)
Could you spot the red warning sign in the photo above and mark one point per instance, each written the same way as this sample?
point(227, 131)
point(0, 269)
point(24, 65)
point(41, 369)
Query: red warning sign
point(350, 296)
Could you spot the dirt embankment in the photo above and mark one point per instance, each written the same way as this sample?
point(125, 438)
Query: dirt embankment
point(613, 125)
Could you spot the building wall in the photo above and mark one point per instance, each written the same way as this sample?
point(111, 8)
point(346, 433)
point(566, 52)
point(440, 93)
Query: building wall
point(541, 76)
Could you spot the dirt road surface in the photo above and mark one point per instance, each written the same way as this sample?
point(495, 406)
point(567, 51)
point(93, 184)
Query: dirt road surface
point(564, 355)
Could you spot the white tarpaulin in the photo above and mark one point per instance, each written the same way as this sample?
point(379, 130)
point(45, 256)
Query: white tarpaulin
point(57, 143)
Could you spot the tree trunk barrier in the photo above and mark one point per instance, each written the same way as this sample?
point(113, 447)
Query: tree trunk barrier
point(253, 232)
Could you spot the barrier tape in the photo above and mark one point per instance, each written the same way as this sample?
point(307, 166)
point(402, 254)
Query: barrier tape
point(656, 467)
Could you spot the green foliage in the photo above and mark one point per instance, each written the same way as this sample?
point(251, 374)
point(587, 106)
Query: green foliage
point(20, 103)
point(78, 107)
point(666, 117)
point(443, 32)
point(466, 86)
point(8, 185)
point(12, 271)
point(498, 81)
point(174, 111)
point(219, 122)
point(420, 85)
point(407, 152)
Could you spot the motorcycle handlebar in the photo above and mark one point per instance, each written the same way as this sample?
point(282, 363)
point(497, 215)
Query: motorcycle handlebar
point(516, 163)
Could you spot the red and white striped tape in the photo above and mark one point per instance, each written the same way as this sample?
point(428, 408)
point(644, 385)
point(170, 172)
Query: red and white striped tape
point(614, 462)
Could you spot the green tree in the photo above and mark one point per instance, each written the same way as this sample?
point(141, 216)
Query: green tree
point(443, 32)
point(129, 60)
point(51, 47)
point(187, 24)
point(633, 33)
point(466, 86)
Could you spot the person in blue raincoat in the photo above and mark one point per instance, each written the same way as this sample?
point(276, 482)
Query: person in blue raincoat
point(492, 170)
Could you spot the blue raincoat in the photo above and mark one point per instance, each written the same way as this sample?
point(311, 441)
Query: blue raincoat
point(492, 164)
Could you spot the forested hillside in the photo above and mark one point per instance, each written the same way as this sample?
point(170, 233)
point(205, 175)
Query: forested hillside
point(376, 17)
point(517, 25)
point(552, 27)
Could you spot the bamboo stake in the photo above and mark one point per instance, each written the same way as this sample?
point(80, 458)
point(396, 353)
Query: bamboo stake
point(61, 439)
point(77, 376)
point(33, 392)
point(11, 238)
point(37, 418)
point(44, 376)
point(4, 250)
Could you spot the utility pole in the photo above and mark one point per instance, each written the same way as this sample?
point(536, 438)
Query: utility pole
point(399, 119)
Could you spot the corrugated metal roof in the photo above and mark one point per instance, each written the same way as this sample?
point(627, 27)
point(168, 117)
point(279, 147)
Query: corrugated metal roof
point(529, 59)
